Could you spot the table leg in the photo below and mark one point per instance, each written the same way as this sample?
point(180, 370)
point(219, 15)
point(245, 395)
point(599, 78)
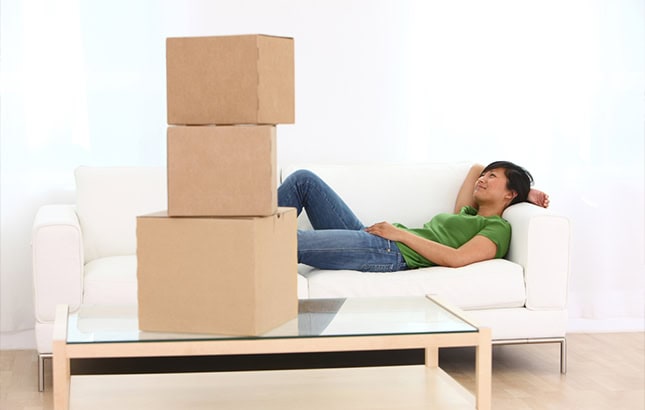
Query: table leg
point(483, 369)
point(60, 362)
point(61, 373)
point(432, 356)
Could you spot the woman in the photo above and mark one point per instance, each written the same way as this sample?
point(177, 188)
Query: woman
point(475, 232)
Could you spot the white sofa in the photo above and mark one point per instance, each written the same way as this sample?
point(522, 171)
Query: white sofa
point(85, 253)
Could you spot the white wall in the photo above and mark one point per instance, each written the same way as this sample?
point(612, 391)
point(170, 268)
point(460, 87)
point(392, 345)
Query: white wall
point(556, 86)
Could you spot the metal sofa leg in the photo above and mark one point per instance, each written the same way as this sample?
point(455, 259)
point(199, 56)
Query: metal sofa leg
point(563, 355)
point(41, 370)
point(561, 340)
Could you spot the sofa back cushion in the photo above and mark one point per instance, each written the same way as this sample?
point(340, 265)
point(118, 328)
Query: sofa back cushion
point(108, 200)
point(410, 194)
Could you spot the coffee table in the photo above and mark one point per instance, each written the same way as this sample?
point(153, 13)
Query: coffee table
point(323, 325)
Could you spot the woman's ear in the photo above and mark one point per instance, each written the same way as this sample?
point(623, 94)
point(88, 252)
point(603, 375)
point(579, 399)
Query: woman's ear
point(510, 196)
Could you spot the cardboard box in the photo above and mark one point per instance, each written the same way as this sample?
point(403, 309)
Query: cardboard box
point(234, 276)
point(222, 171)
point(246, 79)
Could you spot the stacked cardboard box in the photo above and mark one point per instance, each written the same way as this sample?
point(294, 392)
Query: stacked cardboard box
point(222, 258)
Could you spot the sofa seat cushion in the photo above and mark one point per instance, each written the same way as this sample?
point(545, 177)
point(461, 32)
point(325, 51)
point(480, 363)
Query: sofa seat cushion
point(113, 281)
point(496, 283)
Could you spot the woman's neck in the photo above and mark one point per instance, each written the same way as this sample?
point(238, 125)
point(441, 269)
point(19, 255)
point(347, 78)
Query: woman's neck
point(490, 210)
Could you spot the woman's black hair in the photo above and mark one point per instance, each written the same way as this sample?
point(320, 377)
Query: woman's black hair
point(519, 179)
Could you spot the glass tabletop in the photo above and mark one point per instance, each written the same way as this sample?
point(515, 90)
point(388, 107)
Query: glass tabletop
point(316, 318)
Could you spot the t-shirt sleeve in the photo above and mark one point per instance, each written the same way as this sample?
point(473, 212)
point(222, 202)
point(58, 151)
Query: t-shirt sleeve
point(498, 231)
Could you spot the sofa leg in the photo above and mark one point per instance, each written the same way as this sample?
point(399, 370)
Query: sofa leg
point(563, 355)
point(41, 370)
point(561, 340)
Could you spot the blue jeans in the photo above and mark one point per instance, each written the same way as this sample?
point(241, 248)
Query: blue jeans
point(339, 240)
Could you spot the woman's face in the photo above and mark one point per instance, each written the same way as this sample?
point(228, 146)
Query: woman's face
point(491, 187)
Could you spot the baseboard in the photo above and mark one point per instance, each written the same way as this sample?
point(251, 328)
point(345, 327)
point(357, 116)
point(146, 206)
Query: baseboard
point(22, 340)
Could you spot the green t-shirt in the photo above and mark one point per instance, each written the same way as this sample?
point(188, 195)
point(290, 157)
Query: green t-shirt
point(455, 230)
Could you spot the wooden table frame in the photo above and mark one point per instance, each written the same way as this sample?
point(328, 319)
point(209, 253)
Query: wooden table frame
point(64, 352)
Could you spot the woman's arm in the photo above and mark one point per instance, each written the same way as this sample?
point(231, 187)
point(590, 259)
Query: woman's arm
point(465, 195)
point(479, 248)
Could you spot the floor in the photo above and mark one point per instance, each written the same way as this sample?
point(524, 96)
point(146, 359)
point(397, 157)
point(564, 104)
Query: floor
point(605, 371)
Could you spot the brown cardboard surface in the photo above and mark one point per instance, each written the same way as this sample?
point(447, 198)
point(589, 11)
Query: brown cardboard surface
point(246, 79)
point(235, 275)
point(222, 170)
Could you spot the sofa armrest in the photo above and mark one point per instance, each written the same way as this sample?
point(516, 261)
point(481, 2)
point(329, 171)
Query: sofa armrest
point(57, 260)
point(540, 243)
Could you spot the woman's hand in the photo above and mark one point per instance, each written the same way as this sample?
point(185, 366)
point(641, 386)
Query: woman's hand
point(385, 230)
point(538, 198)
